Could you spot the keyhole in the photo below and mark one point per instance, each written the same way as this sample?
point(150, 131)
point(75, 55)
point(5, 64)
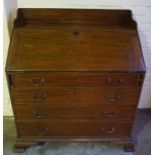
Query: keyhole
point(76, 33)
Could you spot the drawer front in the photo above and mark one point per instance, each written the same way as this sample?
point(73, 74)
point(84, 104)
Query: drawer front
point(74, 128)
point(77, 96)
point(34, 112)
point(74, 80)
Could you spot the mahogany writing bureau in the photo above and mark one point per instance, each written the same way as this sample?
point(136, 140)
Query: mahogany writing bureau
point(74, 74)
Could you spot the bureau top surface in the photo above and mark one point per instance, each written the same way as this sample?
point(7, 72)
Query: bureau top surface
point(74, 40)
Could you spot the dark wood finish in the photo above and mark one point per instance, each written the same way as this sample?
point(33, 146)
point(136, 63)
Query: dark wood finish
point(34, 43)
point(74, 74)
point(77, 96)
point(74, 79)
point(77, 47)
point(74, 128)
point(75, 16)
point(48, 112)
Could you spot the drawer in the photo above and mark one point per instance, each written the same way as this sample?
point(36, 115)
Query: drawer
point(41, 80)
point(47, 112)
point(77, 96)
point(74, 128)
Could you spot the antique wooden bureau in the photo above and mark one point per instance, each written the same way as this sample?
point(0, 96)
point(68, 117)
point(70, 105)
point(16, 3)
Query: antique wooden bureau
point(74, 74)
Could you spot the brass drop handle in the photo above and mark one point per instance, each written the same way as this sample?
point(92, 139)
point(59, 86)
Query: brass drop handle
point(40, 114)
point(39, 97)
point(109, 131)
point(113, 98)
point(41, 131)
point(36, 82)
point(110, 114)
point(117, 83)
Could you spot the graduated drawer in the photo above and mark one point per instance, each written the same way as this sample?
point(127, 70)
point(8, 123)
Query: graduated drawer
point(47, 112)
point(71, 79)
point(74, 128)
point(77, 96)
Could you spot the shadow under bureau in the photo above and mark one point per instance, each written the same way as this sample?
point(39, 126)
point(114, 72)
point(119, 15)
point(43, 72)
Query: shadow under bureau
point(74, 74)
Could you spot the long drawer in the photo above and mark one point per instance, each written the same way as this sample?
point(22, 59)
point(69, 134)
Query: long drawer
point(74, 128)
point(77, 96)
point(71, 79)
point(47, 112)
